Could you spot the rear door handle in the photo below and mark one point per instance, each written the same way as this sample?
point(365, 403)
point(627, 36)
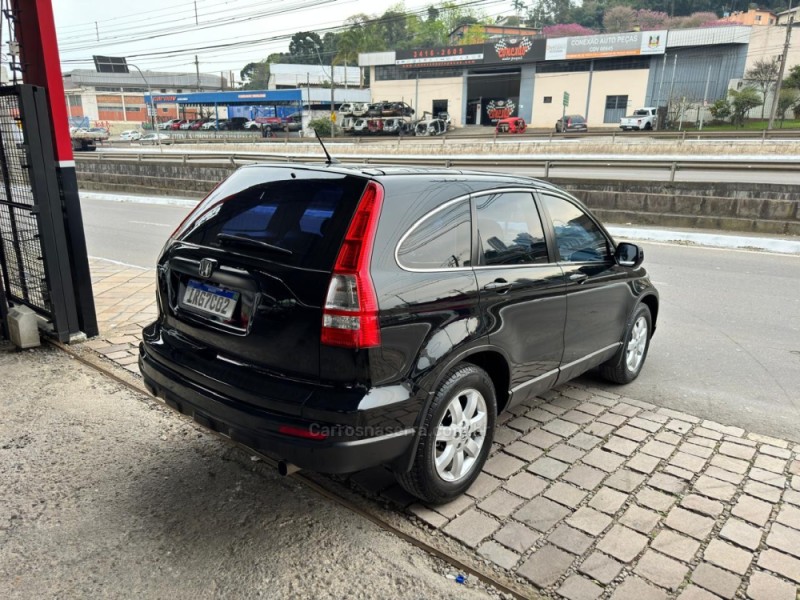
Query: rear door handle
point(578, 277)
point(498, 285)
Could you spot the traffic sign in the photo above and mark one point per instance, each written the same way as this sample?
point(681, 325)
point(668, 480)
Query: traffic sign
point(333, 117)
point(566, 99)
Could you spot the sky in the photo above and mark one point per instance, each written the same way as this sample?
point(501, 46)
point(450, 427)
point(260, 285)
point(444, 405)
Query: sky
point(224, 34)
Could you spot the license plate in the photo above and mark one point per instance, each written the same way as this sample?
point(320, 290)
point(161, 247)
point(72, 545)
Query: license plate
point(210, 299)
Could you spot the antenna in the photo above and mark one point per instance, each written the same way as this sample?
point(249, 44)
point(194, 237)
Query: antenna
point(331, 160)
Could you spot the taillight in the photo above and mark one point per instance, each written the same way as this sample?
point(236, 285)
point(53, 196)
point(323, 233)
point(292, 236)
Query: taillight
point(350, 315)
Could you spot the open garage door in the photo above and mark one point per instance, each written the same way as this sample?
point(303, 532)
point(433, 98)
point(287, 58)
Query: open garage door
point(492, 96)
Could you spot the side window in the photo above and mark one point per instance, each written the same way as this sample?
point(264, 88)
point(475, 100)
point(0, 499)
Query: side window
point(441, 241)
point(578, 238)
point(509, 230)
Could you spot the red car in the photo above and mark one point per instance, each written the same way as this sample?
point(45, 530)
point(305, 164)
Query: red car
point(177, 124)
point(511, 125)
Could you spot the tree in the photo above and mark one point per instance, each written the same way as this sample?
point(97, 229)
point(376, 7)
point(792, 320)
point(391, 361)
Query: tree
point(619, 18)
point(788, 98)
point(742, 102)
point(793, 79)
point(720, 110)
point(762, 75)
point(567, 30)
point(255, 75)
point(305, 48)
point(650, 20)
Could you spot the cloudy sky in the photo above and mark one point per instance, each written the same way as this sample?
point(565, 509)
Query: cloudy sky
point(225, 34)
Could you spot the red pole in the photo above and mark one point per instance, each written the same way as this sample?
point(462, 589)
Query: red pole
point(36, 33)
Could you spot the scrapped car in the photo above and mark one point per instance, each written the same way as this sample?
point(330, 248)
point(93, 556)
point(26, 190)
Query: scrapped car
point(339, 318)
point(360, 127)
point(430, 127)
point(395, 125)
point(572, 123)
point(511, 125)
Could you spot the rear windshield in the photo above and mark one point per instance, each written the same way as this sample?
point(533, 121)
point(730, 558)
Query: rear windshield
point(641, 113)
point(307, 215)
point(576, 119)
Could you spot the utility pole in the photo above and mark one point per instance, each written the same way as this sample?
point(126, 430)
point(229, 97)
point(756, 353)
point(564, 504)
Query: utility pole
point(333, 106)
point(781, 70)
point(97, 31)
point(705, 98)
point(196, 22)
point(197, 68)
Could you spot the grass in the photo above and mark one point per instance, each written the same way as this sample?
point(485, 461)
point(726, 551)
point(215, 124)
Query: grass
point(752, 125)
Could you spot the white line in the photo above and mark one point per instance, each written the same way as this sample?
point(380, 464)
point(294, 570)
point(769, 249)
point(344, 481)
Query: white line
point(119, 262)
point(149, 223)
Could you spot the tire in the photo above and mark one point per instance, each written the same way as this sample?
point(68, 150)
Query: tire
point(470, 388)
point(627, 363)
point(648, 126)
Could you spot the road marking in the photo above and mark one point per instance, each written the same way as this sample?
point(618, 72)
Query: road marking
point(149, 223)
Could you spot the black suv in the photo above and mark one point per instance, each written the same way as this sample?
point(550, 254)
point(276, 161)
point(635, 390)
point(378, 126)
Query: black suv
point(341, 318)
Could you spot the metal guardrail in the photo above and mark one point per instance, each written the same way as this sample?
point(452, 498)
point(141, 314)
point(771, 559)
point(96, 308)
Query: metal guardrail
point(232, 137)
point(772, 164)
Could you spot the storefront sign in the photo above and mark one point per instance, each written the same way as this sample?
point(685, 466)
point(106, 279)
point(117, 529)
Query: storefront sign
point(607, 45)
point(440, 57)
point(500, 109)
point(514, 50)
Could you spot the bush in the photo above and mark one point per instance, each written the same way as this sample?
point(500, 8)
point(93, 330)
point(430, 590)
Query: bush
point(720, 110)
point(321, 126)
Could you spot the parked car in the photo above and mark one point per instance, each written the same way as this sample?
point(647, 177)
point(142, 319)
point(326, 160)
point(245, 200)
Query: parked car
point(154, 138)
point(167, 124)
point(511, 125)
point(430, 127)
point(641, 119)
point(236, 123)
point(188, 124)
point(198, 124)
point(389, 109)
point(315, 315)
point(214, 124)
point(176, 124)
point(360, 127)
point(574, 123)
point(130, 135)
point(251, 124)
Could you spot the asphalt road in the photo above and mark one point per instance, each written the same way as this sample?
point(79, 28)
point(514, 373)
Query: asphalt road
point(728, 341)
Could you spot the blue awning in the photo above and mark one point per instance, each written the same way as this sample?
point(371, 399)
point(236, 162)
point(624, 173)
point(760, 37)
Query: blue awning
point(234, 97)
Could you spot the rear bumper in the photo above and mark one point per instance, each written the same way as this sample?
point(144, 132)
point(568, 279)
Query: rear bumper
point(347, 448)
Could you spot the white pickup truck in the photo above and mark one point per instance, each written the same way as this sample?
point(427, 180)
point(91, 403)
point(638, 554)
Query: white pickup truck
point(642, 118)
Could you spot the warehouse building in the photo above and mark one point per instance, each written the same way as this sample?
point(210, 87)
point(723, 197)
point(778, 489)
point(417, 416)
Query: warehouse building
point(599, 76)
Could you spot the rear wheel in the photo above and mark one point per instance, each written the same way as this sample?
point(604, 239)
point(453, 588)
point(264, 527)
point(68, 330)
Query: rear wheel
point(627, 363)
point(455, 438)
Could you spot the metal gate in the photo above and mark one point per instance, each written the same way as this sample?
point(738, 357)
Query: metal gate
point(616, 108)
point(34, 249)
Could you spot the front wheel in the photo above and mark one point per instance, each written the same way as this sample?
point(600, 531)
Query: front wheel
point(455, 438)
point(627, 363)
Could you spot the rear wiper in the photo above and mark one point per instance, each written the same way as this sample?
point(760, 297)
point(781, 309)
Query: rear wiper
point(243, 239)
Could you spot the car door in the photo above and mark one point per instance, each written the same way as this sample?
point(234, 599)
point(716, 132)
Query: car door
point(521, 291)
point(598, 296)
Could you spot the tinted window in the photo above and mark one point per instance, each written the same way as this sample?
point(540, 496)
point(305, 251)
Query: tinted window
point(510, 230)
point(578, 238)
point(441, 240)
point(308, 217)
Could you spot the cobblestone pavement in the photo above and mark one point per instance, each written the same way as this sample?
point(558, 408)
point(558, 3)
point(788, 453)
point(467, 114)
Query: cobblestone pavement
point(125, 302)
point(588, 494)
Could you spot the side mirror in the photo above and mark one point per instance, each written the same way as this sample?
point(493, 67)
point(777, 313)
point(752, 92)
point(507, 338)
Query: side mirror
point(629, 255)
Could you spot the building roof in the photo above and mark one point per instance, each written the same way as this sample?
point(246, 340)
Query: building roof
point(156, 79)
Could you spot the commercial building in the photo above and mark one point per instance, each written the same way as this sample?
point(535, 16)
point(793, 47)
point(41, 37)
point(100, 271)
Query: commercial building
point(599, 76)
point(754, 16)
point(120, 96)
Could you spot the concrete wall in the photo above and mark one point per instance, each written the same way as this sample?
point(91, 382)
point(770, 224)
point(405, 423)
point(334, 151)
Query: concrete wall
point(742, 207)
point(446, 88)
point(632, 83)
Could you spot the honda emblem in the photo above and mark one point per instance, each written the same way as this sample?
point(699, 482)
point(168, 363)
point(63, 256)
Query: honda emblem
point(207, 266)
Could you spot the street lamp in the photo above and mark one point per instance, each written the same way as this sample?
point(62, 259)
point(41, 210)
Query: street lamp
point(319, 58)
point(153, 105)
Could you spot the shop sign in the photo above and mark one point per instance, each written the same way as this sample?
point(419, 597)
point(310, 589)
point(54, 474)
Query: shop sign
point(448, 56)
point(500, 109)
point(514, 50)
point(607, 45)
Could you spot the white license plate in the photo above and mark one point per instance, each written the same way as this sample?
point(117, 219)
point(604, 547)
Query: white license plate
point(210, 299)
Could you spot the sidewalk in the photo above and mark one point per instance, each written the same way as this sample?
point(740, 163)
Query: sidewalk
point(587, 494)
